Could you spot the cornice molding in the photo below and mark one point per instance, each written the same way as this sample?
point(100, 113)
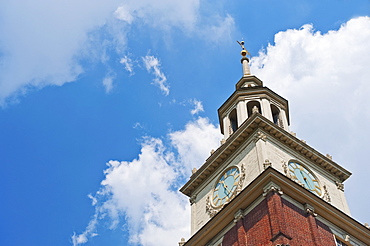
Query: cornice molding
point(246, 132)
point(340, 185)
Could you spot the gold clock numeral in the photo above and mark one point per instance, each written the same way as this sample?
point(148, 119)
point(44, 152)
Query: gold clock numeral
point(217, 201)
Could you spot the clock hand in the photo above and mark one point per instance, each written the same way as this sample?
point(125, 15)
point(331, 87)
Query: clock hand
point(300, 170)
point(228, 191)
point(305, 180)
point(308, 183)
point(225, 186)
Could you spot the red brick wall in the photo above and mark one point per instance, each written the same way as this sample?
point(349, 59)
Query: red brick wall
point(257, 225)
point(277, 221)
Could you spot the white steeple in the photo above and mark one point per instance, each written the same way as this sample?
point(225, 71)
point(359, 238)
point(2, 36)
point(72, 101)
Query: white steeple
point(251, 97)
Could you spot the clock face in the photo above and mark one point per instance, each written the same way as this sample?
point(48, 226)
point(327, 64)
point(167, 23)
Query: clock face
point(225, 187)
point(304, 177)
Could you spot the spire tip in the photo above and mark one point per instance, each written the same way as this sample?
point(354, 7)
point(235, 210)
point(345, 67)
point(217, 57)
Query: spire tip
point(244, 51)
point(244, 60)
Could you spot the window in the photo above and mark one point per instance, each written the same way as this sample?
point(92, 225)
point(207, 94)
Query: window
point(275, 114)
point(251, 105)
point(233, 121)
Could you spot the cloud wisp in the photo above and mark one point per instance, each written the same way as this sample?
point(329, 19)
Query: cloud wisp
point(128, 64)
point(153, 65)
point(198, 107)
point(144, 192)
point(108, 83)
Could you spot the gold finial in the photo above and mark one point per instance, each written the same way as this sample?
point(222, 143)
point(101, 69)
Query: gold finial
point(244, 52)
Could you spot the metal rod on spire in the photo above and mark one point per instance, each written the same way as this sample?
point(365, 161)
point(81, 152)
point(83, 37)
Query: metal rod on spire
point(244, 60)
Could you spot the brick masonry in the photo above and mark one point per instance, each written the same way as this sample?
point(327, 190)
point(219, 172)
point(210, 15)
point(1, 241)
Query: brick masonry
point(275, 221)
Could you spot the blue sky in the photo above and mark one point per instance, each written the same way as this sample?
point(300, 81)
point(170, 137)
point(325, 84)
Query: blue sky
point(107, 106)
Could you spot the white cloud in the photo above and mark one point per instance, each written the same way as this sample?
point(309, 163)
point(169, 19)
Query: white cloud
point(198, 107)
point(144, 192)
point(41, 46)
point(137, 125)
point(108, 83)
point(153, 65)
point(195, 143)
point(325, 77)
point(129, 66)
point(219, 30)
point(123, 13)
point(163, 14)
point(87, 234)
point(46, 39)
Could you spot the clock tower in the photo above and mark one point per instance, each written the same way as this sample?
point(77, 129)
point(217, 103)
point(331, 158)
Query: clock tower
point(263, 185)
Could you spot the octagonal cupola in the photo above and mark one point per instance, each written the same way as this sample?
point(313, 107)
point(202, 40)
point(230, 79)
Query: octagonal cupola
point(251, 97)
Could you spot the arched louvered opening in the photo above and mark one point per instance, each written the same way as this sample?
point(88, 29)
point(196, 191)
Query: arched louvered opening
point(233, 121)
point(253, 106)
point(276, 115)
